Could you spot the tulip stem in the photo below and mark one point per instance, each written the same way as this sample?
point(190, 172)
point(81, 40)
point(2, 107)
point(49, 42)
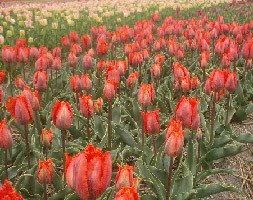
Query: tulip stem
point(56, 85)
point(88, 128)
point(228, 102)
point(27, 145)
point(110, 126)
point(154, 145)
point(45, 191)
point(143, 132)
point(24, 72)
point(204, 75)
point(212, 120)
point(169, 179)
point(6, 163)
point(63, 136)
point(11, 84)
point(140, 74)
point(46, 152)
point(37, 121)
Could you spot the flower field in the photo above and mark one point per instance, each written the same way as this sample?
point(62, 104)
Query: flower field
point(124, 100)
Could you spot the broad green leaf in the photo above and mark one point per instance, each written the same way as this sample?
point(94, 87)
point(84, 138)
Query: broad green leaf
point(210, 189)
point(116, 113)
point(244, 138)
point(203, 175)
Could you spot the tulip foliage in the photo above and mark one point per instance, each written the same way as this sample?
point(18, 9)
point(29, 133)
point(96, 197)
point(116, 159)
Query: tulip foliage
point(139, 109)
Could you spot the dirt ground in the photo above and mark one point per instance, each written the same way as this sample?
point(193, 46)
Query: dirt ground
point(242, 164)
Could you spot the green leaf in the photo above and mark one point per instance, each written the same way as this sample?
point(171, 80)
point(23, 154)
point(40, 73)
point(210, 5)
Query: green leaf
point(240, 115)
point(99, 128)
point(125, 135)
point(191, 156)
point(116, 113)
point(145, 173)
point(244, 138)
point(249, 108)
point(203, 175)
point(148, 197)
point(210, 189)
point(60, 194)
point(222, 152)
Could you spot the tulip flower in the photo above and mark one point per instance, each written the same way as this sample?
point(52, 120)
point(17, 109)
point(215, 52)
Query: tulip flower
point(87, 62)
point(124, 177)
point(40, 81)
point(86, 42)
point(57, 51)
point(2, 76)
point(98, 105)
point(42, 63)
point(21, 110)
point(174, 145)
point(8, 192)
point(86, 109)
point(146, 95)
point(102, 47)
point(6, 142)
point(45, 174)
point(20, 83)
point(85, 169)
point(46, 139)
point(86, 82)
point(76, 49)
point(72, 61)
point(151, 122)
point(195, 82)
point(127, 193)
point(187, 111)
point(62, 115)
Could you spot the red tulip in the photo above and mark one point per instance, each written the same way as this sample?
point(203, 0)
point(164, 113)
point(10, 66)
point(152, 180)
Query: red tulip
point(109, 90)
point(42, 63)
point(73, 36)
point(20, 43)
point(98, 105)
point(86, 82)
point(101, 47)
point(121, 65)
point(248, 64)
point(34, 52)
point(2, 76)
point(22, 54)
point(45, 172)
point(145, 54)
point(75, 84)
point(57, 51)
point(179, 72)
point(225, 61)
point(204, 59)
point(124, 177)
point(156, 17)
point(146, 95)
point(132, 79)
point(85, 169)
point(127, 193)
point(174, 138)
point(43, 50)
point(20, 83)
point(186, 84)
point(8, 54)
point(62, 115)
point(86, 42)
point(101, 65)
point(65, 41)
point(87, 61)
point(230, 81)
point(6, 140)
point(76, 49)
point(112, 73)
point(40, 81)
point(86, 106)
point(156, 71)
point(217, 80)
point(20, 109)
point(46, 138)
point(72, 59)
point(1, 96)
point(151, 122)
point(8, 193)
point(187, 111)
point(195, 82)
point(33, 98)
point(135, 59)
point(56, 64)
point(159, 59)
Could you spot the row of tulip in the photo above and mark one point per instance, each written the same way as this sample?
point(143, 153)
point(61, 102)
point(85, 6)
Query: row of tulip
point(163, 84)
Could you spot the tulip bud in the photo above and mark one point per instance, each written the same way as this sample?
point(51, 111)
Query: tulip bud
point(87, 62)
point(230, 81)
point(56, 65)
point(20, 83)
point(2, 76)
point(86, 106)
point(217, 80)
point(30, 40)
point(156, 71)
point(7, 192)
point(146, 95)
point(85, 169)
point(124, 177)
point(187, 111)
point(174, 138)
point(127, 193)
point(45, 172)
point(151, 122)
point(186, 84)
point(109, 90)
point(40, 81)
point(195, 82)
point(6, 140)
point(46, 138)
point(62, 115)
point(1, 40)
point(75, 84)
point(86, 82)
point(132, 79)
point(98, 105)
